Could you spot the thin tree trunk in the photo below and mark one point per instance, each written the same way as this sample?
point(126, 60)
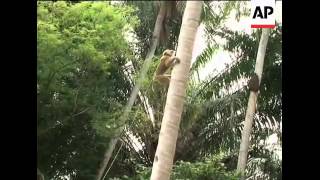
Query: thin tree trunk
point(244, 146)
point(129, 72)
point(135, 91)
point(164, 156)
point(106, 158)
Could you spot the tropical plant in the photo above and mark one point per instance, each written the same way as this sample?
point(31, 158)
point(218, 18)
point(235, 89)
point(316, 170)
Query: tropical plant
point(80, 83)
point(174, 104)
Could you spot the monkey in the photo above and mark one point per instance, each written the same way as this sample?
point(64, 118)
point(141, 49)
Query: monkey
point(167, 61)
point(254, 83)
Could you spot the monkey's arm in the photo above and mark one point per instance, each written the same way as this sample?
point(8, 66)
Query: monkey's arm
point(172, 61)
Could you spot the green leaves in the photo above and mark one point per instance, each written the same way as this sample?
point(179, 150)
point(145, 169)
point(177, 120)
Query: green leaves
point(204, 57)
point(219, 121)
point(81, 51)
point(211, 167)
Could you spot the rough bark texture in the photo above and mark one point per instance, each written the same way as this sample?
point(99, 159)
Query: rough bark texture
point(163, 160)
point(244, 146)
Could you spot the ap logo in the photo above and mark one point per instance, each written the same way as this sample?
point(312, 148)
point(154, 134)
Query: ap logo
point(262, 13)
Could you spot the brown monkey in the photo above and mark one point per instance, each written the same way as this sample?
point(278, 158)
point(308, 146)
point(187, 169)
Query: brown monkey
point(167, 61)
point(254, 83)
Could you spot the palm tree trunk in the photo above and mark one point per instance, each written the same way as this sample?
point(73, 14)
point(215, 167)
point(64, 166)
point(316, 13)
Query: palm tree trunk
point(244, 146)
point(135, 91)
point(164, 156)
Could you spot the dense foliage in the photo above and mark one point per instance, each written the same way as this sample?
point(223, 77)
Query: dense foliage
point(212, 167)
point(81, 85)
point(82, 89)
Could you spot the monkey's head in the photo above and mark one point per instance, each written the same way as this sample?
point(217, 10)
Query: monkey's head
point(168, 52)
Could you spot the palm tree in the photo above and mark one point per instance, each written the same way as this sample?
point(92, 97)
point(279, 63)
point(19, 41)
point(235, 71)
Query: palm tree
point(176, 93)
point(244, 146)
point(154, 43)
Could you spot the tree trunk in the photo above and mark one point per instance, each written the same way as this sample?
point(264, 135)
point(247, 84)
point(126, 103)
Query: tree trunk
point(106, 158)
point(39, 175)
point(244, 146)
point(129, 72)
point(163, 160)
point(135, 91)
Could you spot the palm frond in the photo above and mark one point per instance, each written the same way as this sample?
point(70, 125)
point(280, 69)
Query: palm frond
point(205, 56)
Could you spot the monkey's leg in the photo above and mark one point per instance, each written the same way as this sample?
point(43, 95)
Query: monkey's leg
point(163, 79)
